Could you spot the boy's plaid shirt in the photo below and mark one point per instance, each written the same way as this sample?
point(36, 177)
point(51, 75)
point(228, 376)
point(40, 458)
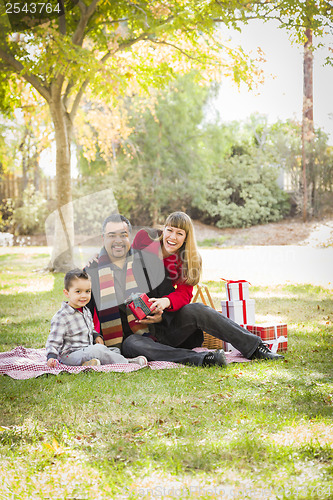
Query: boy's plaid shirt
point(70, 330)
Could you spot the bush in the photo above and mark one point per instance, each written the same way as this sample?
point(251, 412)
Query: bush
point(29, 218)
point(6, 215)
point(93, 201)
point(242, 194)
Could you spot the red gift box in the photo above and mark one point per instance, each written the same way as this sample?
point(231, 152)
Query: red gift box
point(273, 334)
point(139, 305)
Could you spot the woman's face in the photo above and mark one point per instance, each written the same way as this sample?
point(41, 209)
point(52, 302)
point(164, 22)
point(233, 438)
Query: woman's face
point(173, 239)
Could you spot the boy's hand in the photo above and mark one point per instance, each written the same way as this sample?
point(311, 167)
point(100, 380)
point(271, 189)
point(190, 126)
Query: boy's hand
point(52, 362)
point(99, 340)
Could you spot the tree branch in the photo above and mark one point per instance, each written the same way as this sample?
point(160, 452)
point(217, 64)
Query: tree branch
point(177, 48)
point(77, 100)
point(19, 69)
point(144, 13)
point(86, 13)
point(125, 45)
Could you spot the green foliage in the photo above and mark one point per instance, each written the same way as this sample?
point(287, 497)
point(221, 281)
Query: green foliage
point(283, 143)
point(93, 202)
point(212, 242)
point(241, 193)
point(6, 215)
point(163, 169)
point(29, 218)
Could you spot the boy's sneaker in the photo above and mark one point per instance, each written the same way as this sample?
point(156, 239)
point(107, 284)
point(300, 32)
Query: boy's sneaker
point(215, 358)
point(263, 352)
point(139, 360)
point(92, 362)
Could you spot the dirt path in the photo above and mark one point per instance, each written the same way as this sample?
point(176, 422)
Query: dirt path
point(270, 265)
point(278, 253)
point(287, 232)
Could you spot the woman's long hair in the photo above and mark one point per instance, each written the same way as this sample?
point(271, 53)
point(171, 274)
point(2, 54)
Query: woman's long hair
point(188, 253)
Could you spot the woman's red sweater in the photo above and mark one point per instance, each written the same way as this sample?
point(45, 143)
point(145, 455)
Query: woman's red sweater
point(183, 293)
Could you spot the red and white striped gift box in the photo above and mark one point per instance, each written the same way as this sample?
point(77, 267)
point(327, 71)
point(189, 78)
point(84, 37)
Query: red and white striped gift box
point(275, 335)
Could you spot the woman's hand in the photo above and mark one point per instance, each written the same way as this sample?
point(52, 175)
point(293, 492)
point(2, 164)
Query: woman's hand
point(93, 259)
point(99, 340)
point(160, 304)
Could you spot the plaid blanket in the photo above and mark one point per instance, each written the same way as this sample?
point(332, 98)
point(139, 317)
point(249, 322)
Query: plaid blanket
point(23, 363)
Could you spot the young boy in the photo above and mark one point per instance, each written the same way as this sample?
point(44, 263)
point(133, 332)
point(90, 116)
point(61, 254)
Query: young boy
point(72, 335)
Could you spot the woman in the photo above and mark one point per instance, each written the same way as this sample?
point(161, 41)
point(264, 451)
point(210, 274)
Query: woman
point(177, 246)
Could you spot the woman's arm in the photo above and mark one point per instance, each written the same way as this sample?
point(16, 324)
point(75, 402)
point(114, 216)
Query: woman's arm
point(180, 297)
point(174, 300)
point(144, 241)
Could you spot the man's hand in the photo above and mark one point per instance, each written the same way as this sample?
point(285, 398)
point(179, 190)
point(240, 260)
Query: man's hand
point(99, 340)
point(52, 362)
point(155, 318)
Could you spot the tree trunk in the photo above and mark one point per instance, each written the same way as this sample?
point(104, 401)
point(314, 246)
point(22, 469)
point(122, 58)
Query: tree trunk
point(307, 119)
point(60, 225)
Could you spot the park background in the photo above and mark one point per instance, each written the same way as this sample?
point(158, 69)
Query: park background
point(148, 107)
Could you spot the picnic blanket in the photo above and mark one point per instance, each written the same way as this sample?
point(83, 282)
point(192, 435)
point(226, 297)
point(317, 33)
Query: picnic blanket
point(23, 363)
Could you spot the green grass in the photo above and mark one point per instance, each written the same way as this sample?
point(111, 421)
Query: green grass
point(213, 242)
point(256, 430)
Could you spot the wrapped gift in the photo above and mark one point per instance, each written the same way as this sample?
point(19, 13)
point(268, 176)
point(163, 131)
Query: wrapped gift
point(139, 305)
point(240, 311)
point(273, 334)
point(237, 290)
point(229, 348)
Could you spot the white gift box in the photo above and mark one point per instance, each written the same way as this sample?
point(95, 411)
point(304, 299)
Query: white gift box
point(237, 290)
point(240, 311)
point(229, 348)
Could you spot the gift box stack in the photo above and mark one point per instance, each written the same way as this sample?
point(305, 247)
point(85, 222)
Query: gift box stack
point(240, 308)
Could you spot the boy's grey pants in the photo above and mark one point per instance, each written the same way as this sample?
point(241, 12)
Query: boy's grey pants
point(106, 355)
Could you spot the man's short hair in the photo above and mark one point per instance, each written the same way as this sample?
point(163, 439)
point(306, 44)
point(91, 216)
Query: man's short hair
point(116, 218)
point(76, 273)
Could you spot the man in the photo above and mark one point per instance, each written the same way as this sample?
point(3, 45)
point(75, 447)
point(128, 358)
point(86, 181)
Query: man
point(167, 336)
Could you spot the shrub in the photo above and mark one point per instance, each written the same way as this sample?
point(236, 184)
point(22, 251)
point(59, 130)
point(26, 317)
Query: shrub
point(29, 218)
point(242, 193)
point(93, 201)
point(6, 215)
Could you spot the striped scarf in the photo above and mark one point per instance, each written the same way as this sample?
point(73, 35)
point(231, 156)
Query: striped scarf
point(109, 313)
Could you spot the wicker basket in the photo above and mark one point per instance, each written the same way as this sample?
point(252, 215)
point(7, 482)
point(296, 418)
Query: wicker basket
point(209, 342)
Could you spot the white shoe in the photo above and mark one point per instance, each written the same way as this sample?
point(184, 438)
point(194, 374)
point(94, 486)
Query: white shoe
point(139, 360)
point(92, 362)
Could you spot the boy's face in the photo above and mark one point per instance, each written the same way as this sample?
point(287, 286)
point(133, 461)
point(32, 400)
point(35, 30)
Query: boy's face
point(116, 239)
point(79, 292)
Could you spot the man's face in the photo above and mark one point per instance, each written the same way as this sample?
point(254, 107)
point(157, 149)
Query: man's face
point(116, 240)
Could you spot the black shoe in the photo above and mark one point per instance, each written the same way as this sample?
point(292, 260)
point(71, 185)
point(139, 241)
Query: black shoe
point(215, 358)
point(263, 352)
